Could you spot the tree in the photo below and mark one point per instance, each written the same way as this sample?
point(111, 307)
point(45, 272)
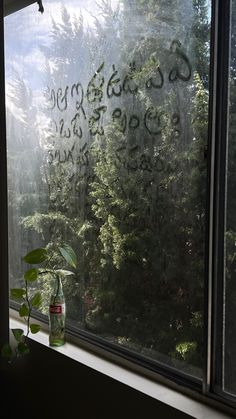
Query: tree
point(24, 154)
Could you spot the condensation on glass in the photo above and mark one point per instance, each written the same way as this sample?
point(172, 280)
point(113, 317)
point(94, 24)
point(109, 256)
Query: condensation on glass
point(107, 120)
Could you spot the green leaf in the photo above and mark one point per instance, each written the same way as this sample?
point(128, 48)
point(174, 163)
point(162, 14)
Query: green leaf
point(18, 334)
point(17, 293)
point(69, 255)
point(36, 256)
point(22, 348)
point(36, 299)
point(31, 275)
point(24, 310)
point(34, 328)
point(6, 351)
point(64, 272)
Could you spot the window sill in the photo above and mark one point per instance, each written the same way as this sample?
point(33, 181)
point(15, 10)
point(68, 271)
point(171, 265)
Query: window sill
point(158, 391)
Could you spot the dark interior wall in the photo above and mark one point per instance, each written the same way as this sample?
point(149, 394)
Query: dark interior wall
point(48, 384)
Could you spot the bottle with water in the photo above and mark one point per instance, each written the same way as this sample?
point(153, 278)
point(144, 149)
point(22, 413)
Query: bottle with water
point(57, 314)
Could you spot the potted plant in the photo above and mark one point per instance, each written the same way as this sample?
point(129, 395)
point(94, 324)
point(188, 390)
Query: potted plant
point(30, 299)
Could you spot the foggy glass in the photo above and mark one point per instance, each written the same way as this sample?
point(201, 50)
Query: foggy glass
point(107, 120)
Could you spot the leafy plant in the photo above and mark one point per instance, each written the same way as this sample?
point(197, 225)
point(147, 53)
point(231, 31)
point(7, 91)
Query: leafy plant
point(30, 299)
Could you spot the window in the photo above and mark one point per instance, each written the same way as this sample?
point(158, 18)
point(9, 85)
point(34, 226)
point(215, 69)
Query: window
point(109, 109)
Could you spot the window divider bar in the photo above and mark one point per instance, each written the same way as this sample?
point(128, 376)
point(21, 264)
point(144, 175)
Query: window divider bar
point(210, 200)
point(4, 294)
point(217, 197)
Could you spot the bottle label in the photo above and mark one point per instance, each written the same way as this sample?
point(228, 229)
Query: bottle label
point(57, 308)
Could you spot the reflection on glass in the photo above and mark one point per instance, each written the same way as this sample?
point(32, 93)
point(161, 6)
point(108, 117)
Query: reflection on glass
point(107, 108)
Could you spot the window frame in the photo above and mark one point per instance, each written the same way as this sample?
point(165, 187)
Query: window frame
point(216, 282)
point(4, 294)
point(215, 227)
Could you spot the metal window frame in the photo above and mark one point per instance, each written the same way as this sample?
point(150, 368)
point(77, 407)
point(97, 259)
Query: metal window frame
point(216, 217)
point(4, 294)
point(218, 201)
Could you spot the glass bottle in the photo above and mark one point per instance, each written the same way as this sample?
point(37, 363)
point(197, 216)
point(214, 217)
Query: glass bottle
point(57, 315)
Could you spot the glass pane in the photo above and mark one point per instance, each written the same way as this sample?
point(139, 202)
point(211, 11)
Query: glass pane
point(229, 373)
point(107, 116)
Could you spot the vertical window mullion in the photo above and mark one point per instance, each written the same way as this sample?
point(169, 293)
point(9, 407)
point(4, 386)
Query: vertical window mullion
point(215, 373)
point(4, 307)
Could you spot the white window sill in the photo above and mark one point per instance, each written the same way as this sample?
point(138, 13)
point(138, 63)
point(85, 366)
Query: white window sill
point(145, 385)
